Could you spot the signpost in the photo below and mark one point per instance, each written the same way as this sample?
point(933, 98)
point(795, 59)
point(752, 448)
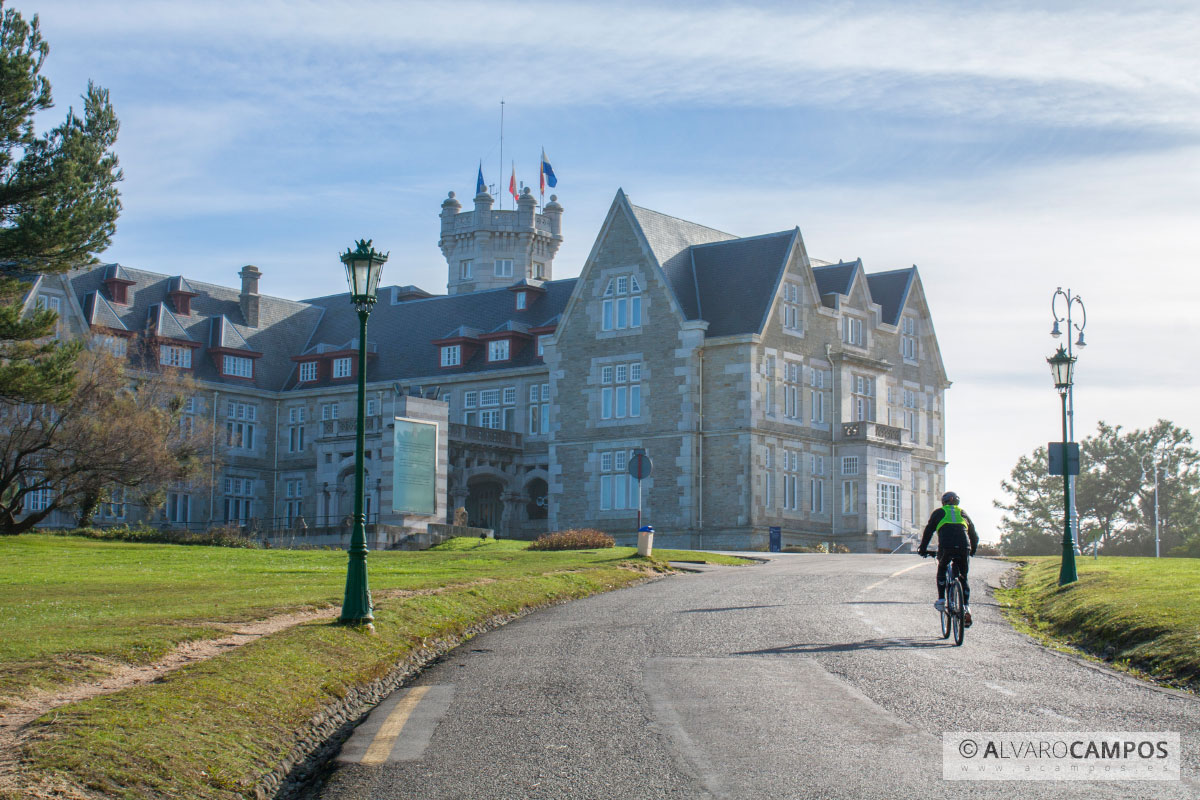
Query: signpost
point(1055, 452)
point(640, 467)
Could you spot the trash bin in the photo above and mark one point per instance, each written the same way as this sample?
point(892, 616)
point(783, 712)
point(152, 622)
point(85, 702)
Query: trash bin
point(645, 540)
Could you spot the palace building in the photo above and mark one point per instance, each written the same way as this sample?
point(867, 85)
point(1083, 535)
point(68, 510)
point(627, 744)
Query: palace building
point(768, 388)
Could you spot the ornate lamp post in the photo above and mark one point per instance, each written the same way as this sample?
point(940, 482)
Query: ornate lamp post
point(364, 266)
point(1062, 367)
point(1072, 302)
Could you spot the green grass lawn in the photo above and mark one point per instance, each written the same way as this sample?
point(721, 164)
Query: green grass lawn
point(1141, 613)
point(214, 728)
point(66, 602)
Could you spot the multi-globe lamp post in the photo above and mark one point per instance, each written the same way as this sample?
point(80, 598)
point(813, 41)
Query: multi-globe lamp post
point(1062, 367)
point(1072, 303)
point(364, 266)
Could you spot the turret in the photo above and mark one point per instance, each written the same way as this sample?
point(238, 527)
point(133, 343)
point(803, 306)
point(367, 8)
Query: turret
point(492, 249)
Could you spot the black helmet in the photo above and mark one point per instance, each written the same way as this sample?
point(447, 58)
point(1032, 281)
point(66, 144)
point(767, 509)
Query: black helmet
point(949, 499)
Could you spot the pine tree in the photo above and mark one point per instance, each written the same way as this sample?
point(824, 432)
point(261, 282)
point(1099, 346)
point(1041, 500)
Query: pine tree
point(58, 207)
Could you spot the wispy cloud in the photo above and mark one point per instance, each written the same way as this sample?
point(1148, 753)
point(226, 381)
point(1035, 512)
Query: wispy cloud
point(1083, 65)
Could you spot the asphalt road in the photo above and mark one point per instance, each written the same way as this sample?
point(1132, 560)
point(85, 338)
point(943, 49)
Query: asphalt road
point(809, 677)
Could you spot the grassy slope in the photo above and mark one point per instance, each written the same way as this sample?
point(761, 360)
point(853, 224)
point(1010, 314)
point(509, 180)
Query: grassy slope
point(1142, 613)
point(213, 729)
point(66, 602)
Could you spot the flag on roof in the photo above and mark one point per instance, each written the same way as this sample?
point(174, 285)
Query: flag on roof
point(547, 173)
point(512, 182)
point(480, 186)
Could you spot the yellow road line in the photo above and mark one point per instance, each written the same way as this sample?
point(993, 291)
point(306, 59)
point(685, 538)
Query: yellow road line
point(889, 577)
point(381, 746)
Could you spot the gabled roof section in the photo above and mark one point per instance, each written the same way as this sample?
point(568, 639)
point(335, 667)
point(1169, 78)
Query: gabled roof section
point(669, 239)
point(736, 280)
point(836, 278)
point(511, 326)
point(463, 332)
point(890, 290)
point(117, 272)
point(180, 284)
point(225, 335)
point(99, 313)
point(164, 324)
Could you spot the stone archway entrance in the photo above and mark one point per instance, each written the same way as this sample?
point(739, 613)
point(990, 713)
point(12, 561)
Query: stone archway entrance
point(485, 509)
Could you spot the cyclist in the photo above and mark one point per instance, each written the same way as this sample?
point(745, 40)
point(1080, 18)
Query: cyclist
point(957, 540)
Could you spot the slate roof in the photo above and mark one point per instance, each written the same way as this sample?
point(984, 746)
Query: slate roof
point(836, 278)
point(98, 311)
point(224, 334)
point(890, 290)
point(670, 239)
point(415, 324)
point(285, 328)
point(736, 280)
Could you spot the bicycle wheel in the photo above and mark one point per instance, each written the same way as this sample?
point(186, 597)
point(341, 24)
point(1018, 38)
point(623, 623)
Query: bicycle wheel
point(956, 610)
point(945, 617)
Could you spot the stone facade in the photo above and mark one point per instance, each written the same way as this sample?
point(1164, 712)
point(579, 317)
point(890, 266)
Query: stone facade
point(768, 388)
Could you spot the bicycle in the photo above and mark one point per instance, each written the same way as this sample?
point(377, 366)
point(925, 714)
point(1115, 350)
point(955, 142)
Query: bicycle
point(953, 613)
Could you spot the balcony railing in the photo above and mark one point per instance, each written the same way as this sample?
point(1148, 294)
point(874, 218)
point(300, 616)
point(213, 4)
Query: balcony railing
point(345, 427)
point(872, 431)
point(470, 434)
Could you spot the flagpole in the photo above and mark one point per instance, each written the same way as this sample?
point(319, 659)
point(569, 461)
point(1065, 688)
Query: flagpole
point(501, 193)
point(542, 176)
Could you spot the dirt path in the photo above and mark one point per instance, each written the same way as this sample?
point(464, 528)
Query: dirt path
point(23, 710)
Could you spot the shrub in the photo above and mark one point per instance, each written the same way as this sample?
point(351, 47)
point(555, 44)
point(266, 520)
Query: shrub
point(985, 549)
point(574, 539)
point(213, 537)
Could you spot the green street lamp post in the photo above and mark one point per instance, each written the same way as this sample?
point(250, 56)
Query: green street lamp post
point(1062, 367)
point(364, 266)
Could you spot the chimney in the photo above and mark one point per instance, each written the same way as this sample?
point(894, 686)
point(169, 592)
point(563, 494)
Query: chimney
point(248, 299)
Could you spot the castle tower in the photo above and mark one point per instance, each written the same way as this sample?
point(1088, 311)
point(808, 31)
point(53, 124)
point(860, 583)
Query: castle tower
point(490, 249)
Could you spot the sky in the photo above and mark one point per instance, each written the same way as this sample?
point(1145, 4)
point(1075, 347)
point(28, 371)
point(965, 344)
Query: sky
point(1006, 149)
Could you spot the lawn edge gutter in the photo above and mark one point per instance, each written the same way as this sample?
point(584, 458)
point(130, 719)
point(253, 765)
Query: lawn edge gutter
point(320, 740)
point(1026, 624)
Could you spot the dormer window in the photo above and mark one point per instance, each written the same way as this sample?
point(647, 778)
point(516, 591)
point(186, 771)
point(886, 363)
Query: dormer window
point(308, 371)
point(174, 356)
point(452, 355)
point(522, 301)
point(498, 350)
point(622, 306)
point(341, 368)
point(237, 367)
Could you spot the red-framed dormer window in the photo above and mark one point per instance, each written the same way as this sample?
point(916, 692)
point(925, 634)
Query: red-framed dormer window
point(118, 290)
point(499, 350)
point(237, 366)
point(451, 355)
point(522, 300)
point(308, 371)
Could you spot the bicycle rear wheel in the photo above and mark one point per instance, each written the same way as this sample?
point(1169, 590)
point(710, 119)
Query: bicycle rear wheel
point(945, 617)
point(954, 606)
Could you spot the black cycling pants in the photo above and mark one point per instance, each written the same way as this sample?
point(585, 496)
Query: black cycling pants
point(962, 561)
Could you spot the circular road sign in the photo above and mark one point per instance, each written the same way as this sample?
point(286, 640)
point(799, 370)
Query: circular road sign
point(640, 465)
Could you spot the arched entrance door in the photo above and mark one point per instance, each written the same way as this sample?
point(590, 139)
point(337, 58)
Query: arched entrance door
point(484, 508)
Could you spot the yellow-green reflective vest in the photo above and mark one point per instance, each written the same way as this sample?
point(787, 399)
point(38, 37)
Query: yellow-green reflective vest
point(951, 515)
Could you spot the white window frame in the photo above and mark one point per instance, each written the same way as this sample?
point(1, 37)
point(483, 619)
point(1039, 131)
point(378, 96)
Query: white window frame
point(329, 411)
point(522, 301)
point(342, 367)
point(849, 497)
point(451, 355)
point(172, 355)
point(499, 350)
point(503, 268)
point(237, 366)
point(621, 390)
point(849, 465)
point(852, 331)
point(618, 490)
point(465, 269)
point(489, 398)
point(888, 501)
point(308, 371)
point(623, 309)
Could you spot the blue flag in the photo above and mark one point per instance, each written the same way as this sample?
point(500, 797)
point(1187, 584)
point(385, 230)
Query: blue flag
point(480, 187)
point(547, 176)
